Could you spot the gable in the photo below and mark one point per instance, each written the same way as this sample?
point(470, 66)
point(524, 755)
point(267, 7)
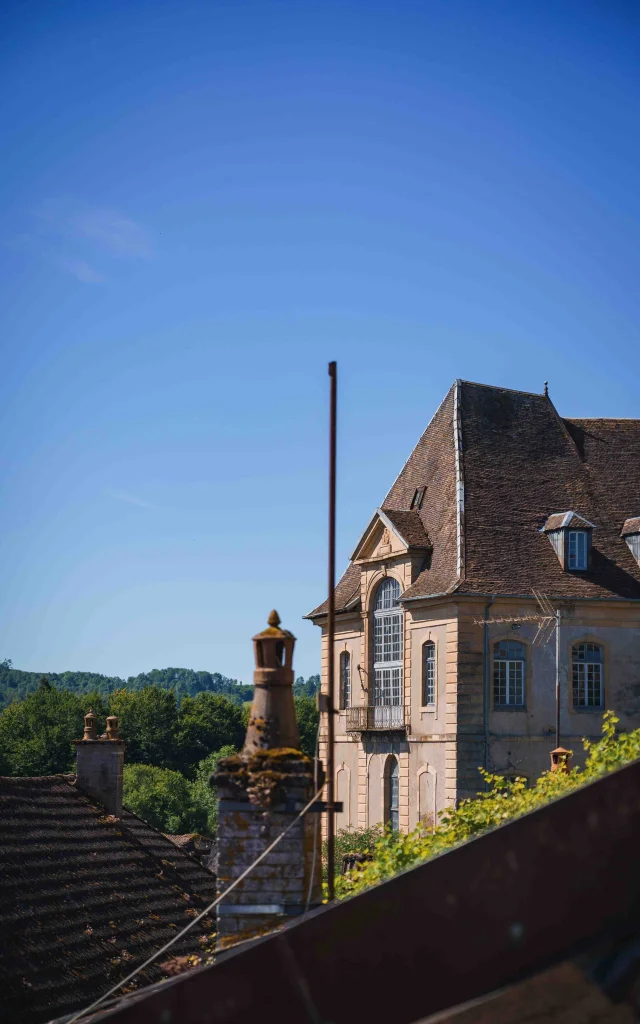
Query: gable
point(391, 533)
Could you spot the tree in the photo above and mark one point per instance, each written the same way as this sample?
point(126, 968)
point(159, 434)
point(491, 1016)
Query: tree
point(149, 724)
point(163, 798)
point(204, 794)
point(306, 687)
point(308, 717)
point(206, 722)
point(36, 733)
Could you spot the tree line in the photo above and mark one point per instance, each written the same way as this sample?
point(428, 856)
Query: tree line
point(16, 684)
point(173, 742)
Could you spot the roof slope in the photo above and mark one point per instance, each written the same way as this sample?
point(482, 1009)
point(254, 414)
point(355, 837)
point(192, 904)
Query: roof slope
point(84, 897)
point(431, 465)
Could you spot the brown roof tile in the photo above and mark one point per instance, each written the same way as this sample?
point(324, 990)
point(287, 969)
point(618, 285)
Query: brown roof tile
point(409, 526)
point(522, 463)
point(84, 898)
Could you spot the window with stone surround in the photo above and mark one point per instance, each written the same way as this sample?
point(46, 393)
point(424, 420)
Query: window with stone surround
point(345, 680)
point(428, 673)
point(509, 664)
point(587, 661)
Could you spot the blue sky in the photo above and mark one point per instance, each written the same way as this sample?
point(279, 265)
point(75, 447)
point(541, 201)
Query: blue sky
point(203, 203)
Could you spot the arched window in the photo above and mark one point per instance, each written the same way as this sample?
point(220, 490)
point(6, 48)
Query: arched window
point(586, 670)
point(509, 660)
point(345, 680)
point(428, 673)
point(387, 646)
point(392, 793)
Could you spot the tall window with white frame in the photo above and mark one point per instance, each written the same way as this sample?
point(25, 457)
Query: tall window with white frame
point(345, 680)
point(578, 549)
point(587, 661)
point(509, 663)
point(387, 654)
point(428, 673)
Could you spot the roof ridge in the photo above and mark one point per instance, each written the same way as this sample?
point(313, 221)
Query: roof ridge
point(498, 387)
point(601, 419)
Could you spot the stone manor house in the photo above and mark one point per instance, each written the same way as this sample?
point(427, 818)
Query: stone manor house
point(500, 497)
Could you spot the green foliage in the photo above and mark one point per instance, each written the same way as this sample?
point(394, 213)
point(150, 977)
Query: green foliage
point(502, 802)
point(203, 793)
point(164, 798)
point(306, 687)
point(148, 723)
point(184, 682)
point(353, 840)
point(206, 723)
point(308, 716)
point(36, 733)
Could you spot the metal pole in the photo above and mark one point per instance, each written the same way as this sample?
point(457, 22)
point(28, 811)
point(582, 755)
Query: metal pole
point(333, 374)
point(557, 678)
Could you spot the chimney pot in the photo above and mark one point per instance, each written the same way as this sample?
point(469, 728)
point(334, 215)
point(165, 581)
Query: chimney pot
point(90, 730)
point(112, 727)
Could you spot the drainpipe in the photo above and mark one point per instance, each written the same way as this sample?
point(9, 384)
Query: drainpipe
point(486, 683)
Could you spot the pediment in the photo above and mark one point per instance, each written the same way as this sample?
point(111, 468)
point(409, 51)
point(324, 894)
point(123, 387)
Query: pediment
point(389, 534)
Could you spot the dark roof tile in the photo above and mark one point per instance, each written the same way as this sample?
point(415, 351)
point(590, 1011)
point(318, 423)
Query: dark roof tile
point(84, 897)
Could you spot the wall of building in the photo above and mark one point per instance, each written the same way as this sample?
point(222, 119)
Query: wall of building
point(445, 745)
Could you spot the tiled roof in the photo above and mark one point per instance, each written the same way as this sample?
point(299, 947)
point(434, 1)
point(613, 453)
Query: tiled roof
point(520, 463)
point(409, 526)
point(630, 526)
point(84, 898)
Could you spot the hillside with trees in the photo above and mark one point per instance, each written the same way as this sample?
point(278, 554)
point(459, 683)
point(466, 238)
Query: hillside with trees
point(16, 684)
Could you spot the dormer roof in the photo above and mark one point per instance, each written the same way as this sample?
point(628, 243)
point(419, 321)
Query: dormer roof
point(406, 526)
point(564, 520)
point(630, 526)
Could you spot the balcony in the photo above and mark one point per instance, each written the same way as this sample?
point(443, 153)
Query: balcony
point(380, 718)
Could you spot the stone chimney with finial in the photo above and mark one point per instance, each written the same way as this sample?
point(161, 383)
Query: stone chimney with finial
point(272, 722)
point(260, 792)
point(99, 763)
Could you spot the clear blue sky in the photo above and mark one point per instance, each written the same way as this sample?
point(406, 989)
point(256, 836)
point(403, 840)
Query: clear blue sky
point(203, 203)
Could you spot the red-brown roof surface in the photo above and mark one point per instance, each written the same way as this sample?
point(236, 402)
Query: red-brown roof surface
point(520, 463)
point(84, 898)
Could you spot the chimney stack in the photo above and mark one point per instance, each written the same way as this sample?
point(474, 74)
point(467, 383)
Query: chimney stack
point(261, 791)
point(99, 764)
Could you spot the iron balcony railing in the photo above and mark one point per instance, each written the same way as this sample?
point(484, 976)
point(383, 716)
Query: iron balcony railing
point(375, 718)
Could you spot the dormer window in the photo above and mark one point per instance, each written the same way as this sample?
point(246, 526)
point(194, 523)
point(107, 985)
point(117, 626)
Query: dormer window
point(570, 537)
point(418, 497)
point(631, 533)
